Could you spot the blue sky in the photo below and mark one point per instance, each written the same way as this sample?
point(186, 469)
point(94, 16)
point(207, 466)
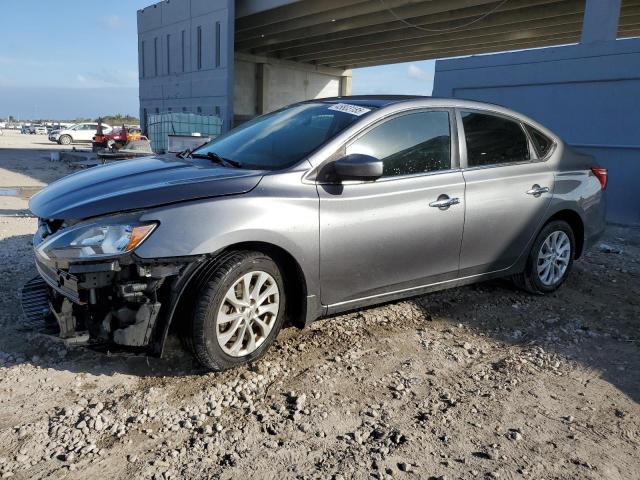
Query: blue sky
point(74, 58)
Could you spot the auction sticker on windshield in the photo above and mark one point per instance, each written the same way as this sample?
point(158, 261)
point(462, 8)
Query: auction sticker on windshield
point(352, 109)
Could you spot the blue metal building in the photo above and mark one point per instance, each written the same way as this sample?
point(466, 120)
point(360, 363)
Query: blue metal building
point(588, 93)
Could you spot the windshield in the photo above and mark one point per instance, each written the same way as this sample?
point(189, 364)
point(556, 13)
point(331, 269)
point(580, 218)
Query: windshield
point(283, 138)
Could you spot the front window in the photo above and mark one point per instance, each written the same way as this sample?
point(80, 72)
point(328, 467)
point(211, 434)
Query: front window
point(281, 139)
point(410, 144)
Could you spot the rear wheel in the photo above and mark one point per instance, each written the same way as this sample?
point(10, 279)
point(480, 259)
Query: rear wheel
point(238, 313)
point(65, 140)
point(550, 259)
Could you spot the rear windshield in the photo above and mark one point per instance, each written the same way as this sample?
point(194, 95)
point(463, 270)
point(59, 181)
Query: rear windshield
point(283, 138)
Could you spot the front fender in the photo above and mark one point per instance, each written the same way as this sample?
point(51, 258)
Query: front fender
point(281, 211)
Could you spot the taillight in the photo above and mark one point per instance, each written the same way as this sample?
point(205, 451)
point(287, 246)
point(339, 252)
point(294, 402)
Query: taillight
point(601, 175)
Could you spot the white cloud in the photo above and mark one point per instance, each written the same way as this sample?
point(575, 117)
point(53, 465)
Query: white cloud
point(418, 73)
point(108, 78)
point(27, 62)
point(112, 22)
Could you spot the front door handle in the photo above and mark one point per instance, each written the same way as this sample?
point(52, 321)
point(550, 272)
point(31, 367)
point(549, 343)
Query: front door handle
point(444, 202)
point(537, 190)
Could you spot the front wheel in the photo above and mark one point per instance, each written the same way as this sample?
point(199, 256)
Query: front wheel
point(550, 259)
point(64, 140)
point(239, 312)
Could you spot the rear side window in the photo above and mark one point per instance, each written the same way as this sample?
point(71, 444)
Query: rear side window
point(492, 140)
point(410, 144)
point(541, 142)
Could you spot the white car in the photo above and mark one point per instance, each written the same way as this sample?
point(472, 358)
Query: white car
point(80, 132)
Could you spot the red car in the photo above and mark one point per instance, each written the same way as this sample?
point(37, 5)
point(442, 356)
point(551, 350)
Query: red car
point(117, 139)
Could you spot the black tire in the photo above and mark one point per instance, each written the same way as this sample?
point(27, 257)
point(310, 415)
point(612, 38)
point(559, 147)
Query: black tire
point(65, 140)
point(201, 334)
point(529, 280)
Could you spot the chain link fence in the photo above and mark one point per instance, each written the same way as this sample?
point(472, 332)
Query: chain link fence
point(161, 125)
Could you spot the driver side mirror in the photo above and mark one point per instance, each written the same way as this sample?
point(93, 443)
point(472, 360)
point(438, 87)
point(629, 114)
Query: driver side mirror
point(358, 167)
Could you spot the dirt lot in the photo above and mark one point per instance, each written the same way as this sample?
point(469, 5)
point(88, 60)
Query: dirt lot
point(477, 382)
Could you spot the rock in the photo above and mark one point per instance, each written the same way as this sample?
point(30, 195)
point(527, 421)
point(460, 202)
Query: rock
point(98, 425)
point(300, 401)
point(304, 427)
point(606, 248)
point(514, 434)
point(405, 467)
point(132, 458)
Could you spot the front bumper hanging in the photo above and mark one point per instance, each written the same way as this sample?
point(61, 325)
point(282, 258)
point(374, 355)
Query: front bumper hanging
point(109, 304)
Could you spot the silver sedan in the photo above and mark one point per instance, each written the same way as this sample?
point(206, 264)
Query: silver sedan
point(318, 208)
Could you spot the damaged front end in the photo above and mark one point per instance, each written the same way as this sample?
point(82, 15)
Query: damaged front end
point(97, 290)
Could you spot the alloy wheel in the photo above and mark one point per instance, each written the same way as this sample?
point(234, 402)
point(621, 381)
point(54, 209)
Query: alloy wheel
point(553, 258)
point(247, 313)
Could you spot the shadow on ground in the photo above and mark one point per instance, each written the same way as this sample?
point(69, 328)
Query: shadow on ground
point(590, 320)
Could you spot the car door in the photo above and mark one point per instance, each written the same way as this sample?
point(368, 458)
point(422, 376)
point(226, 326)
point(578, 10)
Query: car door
point(79, 132)
point(508, 190)
point(389, 235)
point(86, 132)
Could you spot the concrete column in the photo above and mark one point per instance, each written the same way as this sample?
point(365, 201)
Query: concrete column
point(601, 18)
point(346, 83)
point(262, 88)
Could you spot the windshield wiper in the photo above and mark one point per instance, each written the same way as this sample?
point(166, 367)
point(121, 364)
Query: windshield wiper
point(184, 153)
point(213, 156)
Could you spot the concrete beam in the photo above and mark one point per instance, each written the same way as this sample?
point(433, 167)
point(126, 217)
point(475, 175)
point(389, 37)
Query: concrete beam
point(553, 40)
point(394, 30)
point(289, 12)
point(601, 18)
point(629, 25)
point(507, 36)
point(339, 72)
point(346, 18)
point(244, 8)
point(555, 24)
point(485, 47)
point(505, 25)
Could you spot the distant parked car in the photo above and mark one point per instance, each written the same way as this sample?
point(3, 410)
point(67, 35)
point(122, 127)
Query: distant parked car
point(38, 130)
point(25, 129)
point(80, 132)
point(117, 138)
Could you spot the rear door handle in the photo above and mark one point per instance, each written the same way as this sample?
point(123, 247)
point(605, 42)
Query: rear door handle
point(537, 190)
point(444, 202)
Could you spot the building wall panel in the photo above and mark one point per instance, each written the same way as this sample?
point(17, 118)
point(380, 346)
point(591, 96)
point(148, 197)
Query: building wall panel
point(587, 94)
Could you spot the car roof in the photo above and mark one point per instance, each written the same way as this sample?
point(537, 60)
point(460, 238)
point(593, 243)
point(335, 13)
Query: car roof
point(380, 101)
point(377, 101)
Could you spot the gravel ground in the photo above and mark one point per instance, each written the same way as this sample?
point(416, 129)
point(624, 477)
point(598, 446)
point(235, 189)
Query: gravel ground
point(477, 382)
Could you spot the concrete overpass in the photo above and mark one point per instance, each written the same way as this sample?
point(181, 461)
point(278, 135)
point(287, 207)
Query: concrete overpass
point(356, 33)
point(242, 58)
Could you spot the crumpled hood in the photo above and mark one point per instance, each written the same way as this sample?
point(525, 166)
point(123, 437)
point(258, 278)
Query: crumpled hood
point(140, 183)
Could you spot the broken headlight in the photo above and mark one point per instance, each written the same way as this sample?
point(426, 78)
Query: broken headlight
point(95, 241)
